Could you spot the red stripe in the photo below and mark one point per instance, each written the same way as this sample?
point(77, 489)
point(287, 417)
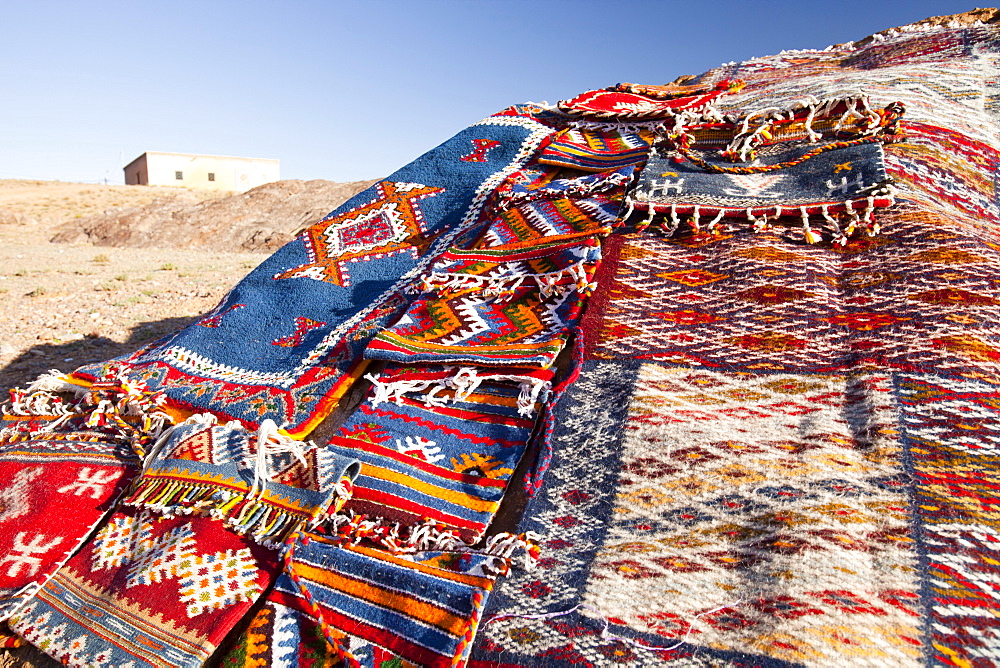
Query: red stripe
point(474, 416)
point(387, 639)
point(365, 408)
point(420, 510)
point(420, 464)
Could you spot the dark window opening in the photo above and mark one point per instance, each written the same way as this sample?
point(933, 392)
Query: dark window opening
point(179, 176)
point(211, 176)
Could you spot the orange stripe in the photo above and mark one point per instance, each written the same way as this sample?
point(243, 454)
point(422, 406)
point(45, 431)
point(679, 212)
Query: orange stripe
point(394, 600)
point(408, 343)
point(407, 460)
point(451, 496)
point(528, 243)
point(329, 402)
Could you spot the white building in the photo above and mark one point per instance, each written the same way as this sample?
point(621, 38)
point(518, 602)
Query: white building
point(208, 172)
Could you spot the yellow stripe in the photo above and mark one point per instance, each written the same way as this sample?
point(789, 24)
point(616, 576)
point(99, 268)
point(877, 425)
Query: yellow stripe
point(511, 349)
point(456, 498)
point(394, 600)
point(473, 580)
point(329, 402)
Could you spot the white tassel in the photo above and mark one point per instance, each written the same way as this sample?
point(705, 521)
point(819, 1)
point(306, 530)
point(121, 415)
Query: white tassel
point(271, 442)
point(715, 221)
point(675, 220)
point(631, 208)
point(54, 381)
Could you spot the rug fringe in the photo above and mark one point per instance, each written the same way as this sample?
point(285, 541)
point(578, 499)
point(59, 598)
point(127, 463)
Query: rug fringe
point(464, 382)
point(113, 406)
point(433, 536)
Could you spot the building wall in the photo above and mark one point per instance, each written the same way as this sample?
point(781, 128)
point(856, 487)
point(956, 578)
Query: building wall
point(207, 172)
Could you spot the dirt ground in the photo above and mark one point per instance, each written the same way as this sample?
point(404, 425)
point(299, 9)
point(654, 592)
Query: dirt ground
point(69, 304)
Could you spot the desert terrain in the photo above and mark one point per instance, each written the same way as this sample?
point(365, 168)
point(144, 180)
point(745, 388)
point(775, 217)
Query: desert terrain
point(168, 255)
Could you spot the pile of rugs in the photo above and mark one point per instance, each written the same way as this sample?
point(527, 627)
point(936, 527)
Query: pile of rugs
point(704, 373)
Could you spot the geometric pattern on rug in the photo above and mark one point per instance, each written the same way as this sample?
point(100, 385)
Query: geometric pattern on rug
point(420, 606)
point(390, 224)
point(54, 489)
point(924, 294)
point(953, 441)
point(572, 511)
point(450, 463)
point(283, 637)
point(149, 590)
point(347, 272)
point(781, 496)
point(206, 581)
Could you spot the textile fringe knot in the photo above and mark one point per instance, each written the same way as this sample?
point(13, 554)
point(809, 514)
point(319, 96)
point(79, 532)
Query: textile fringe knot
point(432, 536)
point(854, 215)
point(579, 190)
point(113, 406)
point(760, 128)
point(463, 382)
point(278, 499)
point(555, 283)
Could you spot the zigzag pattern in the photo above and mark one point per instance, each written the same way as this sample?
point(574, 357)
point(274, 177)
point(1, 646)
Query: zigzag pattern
point(496, 305)
point(953, 427)
point(758, 302)
point(596, 150)
point(551, 218)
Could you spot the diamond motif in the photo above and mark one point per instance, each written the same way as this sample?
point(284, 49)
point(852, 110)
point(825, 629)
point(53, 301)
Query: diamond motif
point(692, 277)
point(773, 294)
point(864, 322)
point(390, 225)
point(213, 581)
point(686, 317)
point(955, 296)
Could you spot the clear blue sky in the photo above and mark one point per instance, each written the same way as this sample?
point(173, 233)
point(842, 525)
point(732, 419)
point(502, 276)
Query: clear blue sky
point(352, 90)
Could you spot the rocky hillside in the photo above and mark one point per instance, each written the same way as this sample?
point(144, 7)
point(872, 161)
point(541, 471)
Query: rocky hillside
point(259, 220)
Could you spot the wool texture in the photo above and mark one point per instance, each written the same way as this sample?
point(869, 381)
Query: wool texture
point(63, 464)
point(148, 590)
point(206, 467)
point(437, 452)
point(781, 452)
point(730, 344)
point(421, 606)
point(283, 343)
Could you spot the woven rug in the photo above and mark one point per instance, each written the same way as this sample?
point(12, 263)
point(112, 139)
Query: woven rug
point(733, 343)
point(438, 443)
point(64, 462)
point(423, 607)
point(55, 491)
point(782, 453)
point(596, 150)
point(283, 344)
point(494, 306)
point(261, 485)
point(148, 590)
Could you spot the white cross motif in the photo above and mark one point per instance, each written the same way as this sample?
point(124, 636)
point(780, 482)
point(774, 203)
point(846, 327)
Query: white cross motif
point(663, 187)
point(89, 482)
point(844, 185)
point(27, 559)
point(421, 448)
